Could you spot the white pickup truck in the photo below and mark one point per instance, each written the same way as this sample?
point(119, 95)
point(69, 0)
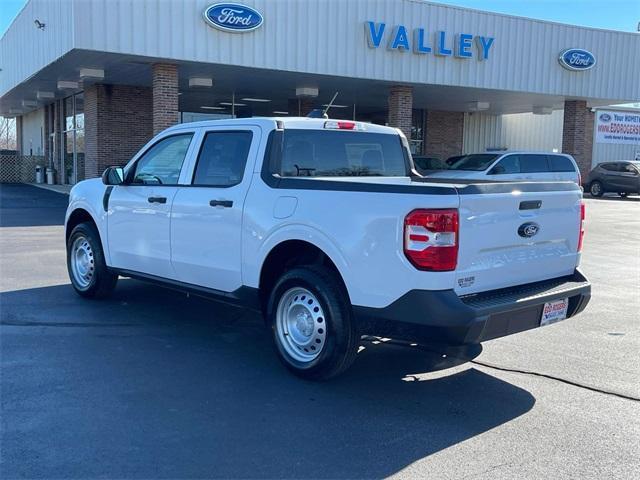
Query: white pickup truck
point(325, 227)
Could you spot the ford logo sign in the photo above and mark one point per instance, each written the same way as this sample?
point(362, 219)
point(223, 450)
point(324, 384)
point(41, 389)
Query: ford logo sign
point(605, 117)
point(577, 59)
point(233, 17)
point(528, 230)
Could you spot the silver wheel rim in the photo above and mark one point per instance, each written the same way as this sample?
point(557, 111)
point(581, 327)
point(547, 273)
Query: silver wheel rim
point(595, 188)
point(82, 262)
point(301, 324)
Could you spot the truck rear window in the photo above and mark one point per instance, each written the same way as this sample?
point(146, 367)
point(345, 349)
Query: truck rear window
point(318, 153)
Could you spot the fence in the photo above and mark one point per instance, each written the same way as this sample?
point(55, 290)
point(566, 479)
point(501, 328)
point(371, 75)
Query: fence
point(20, 169)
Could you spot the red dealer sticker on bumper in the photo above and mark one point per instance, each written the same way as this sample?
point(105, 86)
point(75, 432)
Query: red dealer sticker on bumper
point(554, 311)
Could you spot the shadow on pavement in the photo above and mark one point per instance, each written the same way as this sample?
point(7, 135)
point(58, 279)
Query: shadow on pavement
point(28, 206)
point(154, 384)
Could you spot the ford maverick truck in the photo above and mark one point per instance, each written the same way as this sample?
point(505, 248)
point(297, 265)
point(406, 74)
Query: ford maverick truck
point(326, 228)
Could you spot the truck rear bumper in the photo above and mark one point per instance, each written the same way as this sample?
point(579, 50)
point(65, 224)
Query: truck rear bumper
point(425, 316)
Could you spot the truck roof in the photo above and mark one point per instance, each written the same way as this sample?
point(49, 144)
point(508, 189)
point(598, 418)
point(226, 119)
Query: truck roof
point(287, 122)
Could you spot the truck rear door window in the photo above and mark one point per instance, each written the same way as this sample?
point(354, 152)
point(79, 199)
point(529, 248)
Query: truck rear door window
point(318, 153)
point(222, 158)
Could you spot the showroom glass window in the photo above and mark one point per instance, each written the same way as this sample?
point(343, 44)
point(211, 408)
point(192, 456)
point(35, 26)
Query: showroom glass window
point(72, 170)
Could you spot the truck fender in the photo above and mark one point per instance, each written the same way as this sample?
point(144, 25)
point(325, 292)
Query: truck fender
point(303, 233)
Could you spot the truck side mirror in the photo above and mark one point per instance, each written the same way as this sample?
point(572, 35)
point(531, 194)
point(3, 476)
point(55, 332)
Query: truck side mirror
point(113, 176)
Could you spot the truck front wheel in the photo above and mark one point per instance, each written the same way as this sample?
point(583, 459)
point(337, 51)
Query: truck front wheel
point(312, 323)
point(88, 271)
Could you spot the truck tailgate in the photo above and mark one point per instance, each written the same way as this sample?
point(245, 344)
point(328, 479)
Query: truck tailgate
point(517, 235)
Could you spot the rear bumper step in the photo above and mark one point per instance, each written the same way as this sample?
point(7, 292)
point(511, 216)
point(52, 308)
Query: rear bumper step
point(441, 316)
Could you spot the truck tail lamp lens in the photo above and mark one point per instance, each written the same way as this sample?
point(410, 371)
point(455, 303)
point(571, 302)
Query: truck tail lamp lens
point(583, 216)
point(431, 239)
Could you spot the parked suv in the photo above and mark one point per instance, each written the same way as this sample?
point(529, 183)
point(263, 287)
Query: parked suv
point(622, 178)
point(322, 226)
point(508, 166)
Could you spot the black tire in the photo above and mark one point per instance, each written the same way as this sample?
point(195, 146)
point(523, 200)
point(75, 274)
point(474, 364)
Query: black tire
point(102, 281)
point(623, 194)
point(596, 189)
point(340, 347)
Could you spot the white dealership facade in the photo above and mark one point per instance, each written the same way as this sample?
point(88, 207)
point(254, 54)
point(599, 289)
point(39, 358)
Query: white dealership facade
point(90, 81)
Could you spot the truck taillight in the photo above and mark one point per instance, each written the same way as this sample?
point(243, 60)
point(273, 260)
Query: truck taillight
point(431, 239)
point(582, 218)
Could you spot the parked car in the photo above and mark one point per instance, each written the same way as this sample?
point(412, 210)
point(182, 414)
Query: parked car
point(321, 225)
point(622, 178)
point(425, 165)
point(452, 160)
point(507, 166)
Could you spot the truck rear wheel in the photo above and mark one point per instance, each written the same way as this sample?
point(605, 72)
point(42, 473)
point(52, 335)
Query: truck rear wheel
point(312, 323)
point(88, 271)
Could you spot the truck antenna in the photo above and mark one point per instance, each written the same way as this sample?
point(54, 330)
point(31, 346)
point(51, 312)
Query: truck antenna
point(324, 112)
point(317, 113)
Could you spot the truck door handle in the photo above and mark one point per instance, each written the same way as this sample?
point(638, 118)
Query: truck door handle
point(221, 203)
point(157, 199)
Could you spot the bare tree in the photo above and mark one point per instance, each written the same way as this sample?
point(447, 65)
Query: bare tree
point(7, 133)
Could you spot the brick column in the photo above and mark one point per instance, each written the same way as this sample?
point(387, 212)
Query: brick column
point(400, 108)
point(577, 133)
point(118, 122)
point(165, 96)
point(443, 134)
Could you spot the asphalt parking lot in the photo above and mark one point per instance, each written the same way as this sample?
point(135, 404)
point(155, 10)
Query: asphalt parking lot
point(152, 384)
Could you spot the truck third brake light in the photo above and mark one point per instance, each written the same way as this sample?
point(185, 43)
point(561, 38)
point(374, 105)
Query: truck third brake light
point(342, 125)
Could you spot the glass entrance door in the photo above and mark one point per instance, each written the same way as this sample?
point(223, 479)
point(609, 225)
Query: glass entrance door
point(72, 161)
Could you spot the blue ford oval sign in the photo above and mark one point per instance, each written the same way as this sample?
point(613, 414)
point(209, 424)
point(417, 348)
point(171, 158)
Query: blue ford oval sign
point(577, 59)
point(233, 17)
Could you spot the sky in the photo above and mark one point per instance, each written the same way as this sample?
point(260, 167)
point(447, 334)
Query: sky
point(609, 14)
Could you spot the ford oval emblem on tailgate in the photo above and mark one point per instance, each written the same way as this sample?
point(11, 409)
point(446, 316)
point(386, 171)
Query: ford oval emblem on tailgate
point(233, 17)
point(528, 230)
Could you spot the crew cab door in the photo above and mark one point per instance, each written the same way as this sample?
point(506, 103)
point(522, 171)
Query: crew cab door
point(139, 210)
point(207, 215)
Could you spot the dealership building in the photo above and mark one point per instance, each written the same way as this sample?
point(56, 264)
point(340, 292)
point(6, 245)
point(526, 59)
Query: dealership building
point(91, 81)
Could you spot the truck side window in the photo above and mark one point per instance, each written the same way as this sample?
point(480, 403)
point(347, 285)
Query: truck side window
point(222, 158)
point(161, 164)
point(560, 163)
point(508, 165)
point(534, 164)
